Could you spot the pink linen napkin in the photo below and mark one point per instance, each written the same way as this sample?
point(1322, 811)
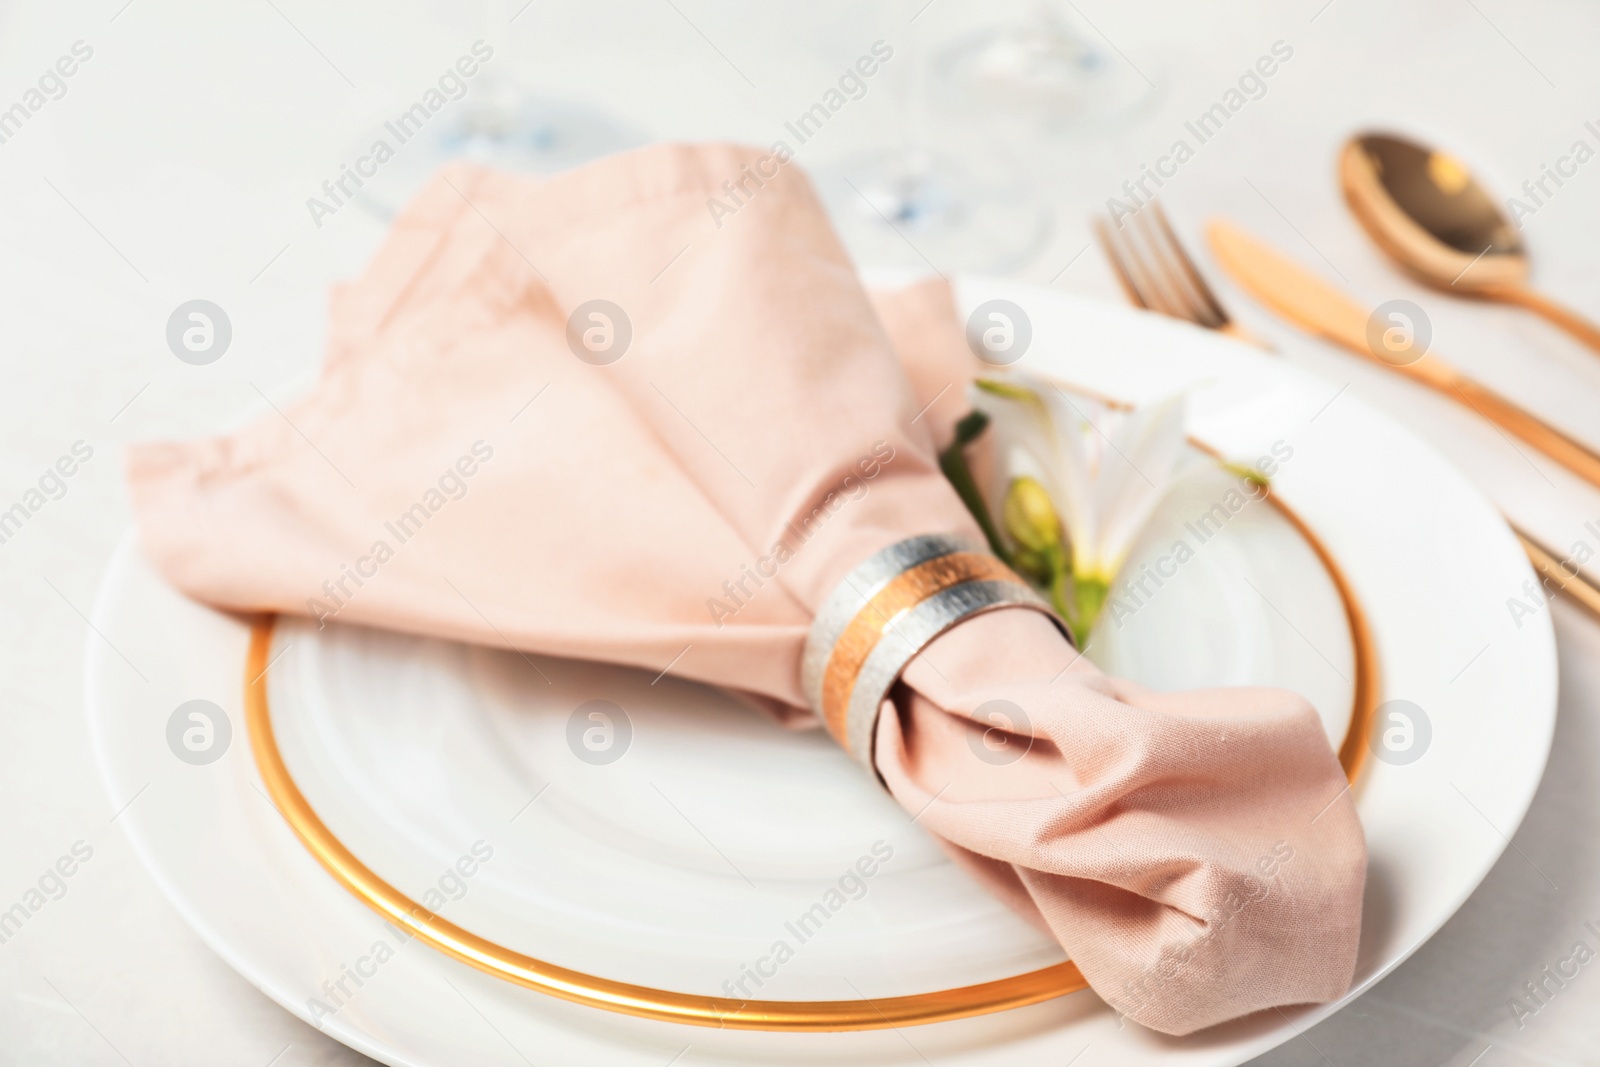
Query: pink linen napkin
point(680, 475)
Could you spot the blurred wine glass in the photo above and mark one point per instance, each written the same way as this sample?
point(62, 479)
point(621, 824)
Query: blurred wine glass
point(914, 206)
point(1045, 71)
point(499, 123)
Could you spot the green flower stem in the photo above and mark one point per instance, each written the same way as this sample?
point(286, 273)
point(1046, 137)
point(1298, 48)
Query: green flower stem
point(953, 462)
point(1078, 600)
point(1249, 474)
point(1088, 598)
point(1061, 596)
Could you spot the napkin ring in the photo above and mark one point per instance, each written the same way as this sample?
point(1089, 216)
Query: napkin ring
point(886, 611)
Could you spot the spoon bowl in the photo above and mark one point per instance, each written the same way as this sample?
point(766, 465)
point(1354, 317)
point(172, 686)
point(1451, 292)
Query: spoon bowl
point(1427, 212)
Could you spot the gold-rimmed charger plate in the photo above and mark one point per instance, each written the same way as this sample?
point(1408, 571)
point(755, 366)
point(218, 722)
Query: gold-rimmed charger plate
point(695, 1009)
point(1427, 556)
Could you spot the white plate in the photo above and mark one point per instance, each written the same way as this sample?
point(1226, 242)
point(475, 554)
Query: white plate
point(680, 862)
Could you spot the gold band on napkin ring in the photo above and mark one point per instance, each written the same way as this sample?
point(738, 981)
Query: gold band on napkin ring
point(888, 610)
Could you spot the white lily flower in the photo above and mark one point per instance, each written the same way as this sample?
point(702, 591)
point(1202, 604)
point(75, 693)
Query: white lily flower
point(1103, 470)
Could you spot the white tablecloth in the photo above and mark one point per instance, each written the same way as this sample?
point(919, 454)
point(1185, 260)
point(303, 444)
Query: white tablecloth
point(175, 163)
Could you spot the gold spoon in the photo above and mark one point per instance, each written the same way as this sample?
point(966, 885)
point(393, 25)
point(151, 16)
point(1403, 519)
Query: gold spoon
point(1428, 214)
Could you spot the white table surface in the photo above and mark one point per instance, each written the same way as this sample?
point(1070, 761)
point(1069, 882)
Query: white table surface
point(177, 165)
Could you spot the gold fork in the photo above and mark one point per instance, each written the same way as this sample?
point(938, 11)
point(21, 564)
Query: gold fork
point(1157, 274)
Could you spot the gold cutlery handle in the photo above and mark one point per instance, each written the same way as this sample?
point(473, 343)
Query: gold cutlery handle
point(1559, 314)
point(1553, 574)
point(1575, 456)
point(1315, 305)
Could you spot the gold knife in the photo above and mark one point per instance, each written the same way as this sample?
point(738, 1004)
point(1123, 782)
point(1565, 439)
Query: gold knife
point(1320, 308)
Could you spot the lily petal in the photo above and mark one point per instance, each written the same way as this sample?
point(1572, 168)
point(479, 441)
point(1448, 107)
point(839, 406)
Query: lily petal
point(1147, 446)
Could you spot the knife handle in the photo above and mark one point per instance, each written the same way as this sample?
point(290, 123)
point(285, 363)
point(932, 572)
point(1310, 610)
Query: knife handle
point(1313, 304)
point(1575, 456)
point(1554, 571)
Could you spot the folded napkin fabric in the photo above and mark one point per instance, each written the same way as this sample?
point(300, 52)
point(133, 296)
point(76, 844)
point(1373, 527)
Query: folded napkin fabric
point(588, 417)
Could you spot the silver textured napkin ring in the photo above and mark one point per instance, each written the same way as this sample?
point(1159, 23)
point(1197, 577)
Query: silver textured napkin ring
point(886, 611)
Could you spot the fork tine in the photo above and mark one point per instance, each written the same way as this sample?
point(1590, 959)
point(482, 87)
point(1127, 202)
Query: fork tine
point(1131, 262)
point(1102, 234)
point(1179, 297)
point(1180, 291)
point(1154, 291)
point(1217, 318)
point(1197, 284)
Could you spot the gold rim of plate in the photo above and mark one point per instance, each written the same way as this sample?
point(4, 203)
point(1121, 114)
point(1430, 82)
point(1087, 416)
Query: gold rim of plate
point(916, 1009)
